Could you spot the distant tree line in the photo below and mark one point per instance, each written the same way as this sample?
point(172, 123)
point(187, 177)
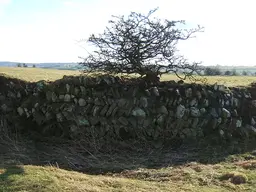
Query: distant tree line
point(24, 65)
point(216, 71)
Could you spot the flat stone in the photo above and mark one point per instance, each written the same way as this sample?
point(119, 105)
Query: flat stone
point(81, 102)
point(81, 121)
point(155, 91)
point(67, 98)
point(122, 103)
point(20, 111)
point(49, 96)
point(67, 88)
point(76, 91)
point(225, 113)
point(59, 117)
point(110, 110)
point(195, 112)
point(39, 117)
point(123, 121)
point(54, 97)
point(18, 95)
point(138, 112)
point(143, 102)
point(104, 110)
point(82, 88)
point(188, 92)
point(61, 97)
point(180, 111)
point(162, 110)
point(96, 110)
point(4, 107)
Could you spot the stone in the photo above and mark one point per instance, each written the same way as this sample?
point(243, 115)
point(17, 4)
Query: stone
point(206, 103)
point(96, 110)
point(199, 95)
point(20, 111)
point(61, 97)
point(48, 116)
point(121, 103)
point(160, 119)
point(195, 123)
point(59, 117)
point(36, 105)
point(76, 91)
point(162, 110)
point(49, 96)
point(67, 88)
point(114, 111)
point(253, 122)
point(202, 110)
point(225, 113)
point(193, 102)
point(54, 97)
point(180, 111)
point(188, 92)
point(73, 128)
point(195, 112)
point(81, 121)
point(123, 121)
point(97, 101)
point(67, 98)
point(2, 97)
point(222, 133)
point(214, 113)
point(27, 112)
point(254, 103)
point(147, 92)
point(138, 112)
point(235, 102)
point(110, 110)
point(82, 88)
point(81, 102)
point(18, 95)
point(4, 108)
point(155, 91)
point(94, 120)
point(143, 102)
point(104, 110)
point(38, 117)
point(238, 123)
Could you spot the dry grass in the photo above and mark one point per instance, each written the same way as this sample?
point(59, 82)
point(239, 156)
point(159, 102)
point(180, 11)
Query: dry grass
point(181, 178)
point(36, 74)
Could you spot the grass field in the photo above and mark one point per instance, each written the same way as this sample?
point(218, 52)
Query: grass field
point(216, 174)
point(36, 74)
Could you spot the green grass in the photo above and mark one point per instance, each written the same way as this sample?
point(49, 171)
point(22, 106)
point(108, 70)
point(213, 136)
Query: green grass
point(188, 177)
point(36, 74)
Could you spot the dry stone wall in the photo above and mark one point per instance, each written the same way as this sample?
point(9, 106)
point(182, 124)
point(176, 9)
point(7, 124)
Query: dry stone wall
point(109, 108)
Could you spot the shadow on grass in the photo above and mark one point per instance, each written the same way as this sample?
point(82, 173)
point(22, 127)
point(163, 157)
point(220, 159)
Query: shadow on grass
point(9, 171)
point(5, 173)
point(77, 157)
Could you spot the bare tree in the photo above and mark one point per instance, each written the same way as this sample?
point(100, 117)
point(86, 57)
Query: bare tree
point(143, 45)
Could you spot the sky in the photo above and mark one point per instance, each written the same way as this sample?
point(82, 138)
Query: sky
point(34, 31)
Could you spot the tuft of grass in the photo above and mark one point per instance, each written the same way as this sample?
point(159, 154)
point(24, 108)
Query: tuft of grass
point(235, 178)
